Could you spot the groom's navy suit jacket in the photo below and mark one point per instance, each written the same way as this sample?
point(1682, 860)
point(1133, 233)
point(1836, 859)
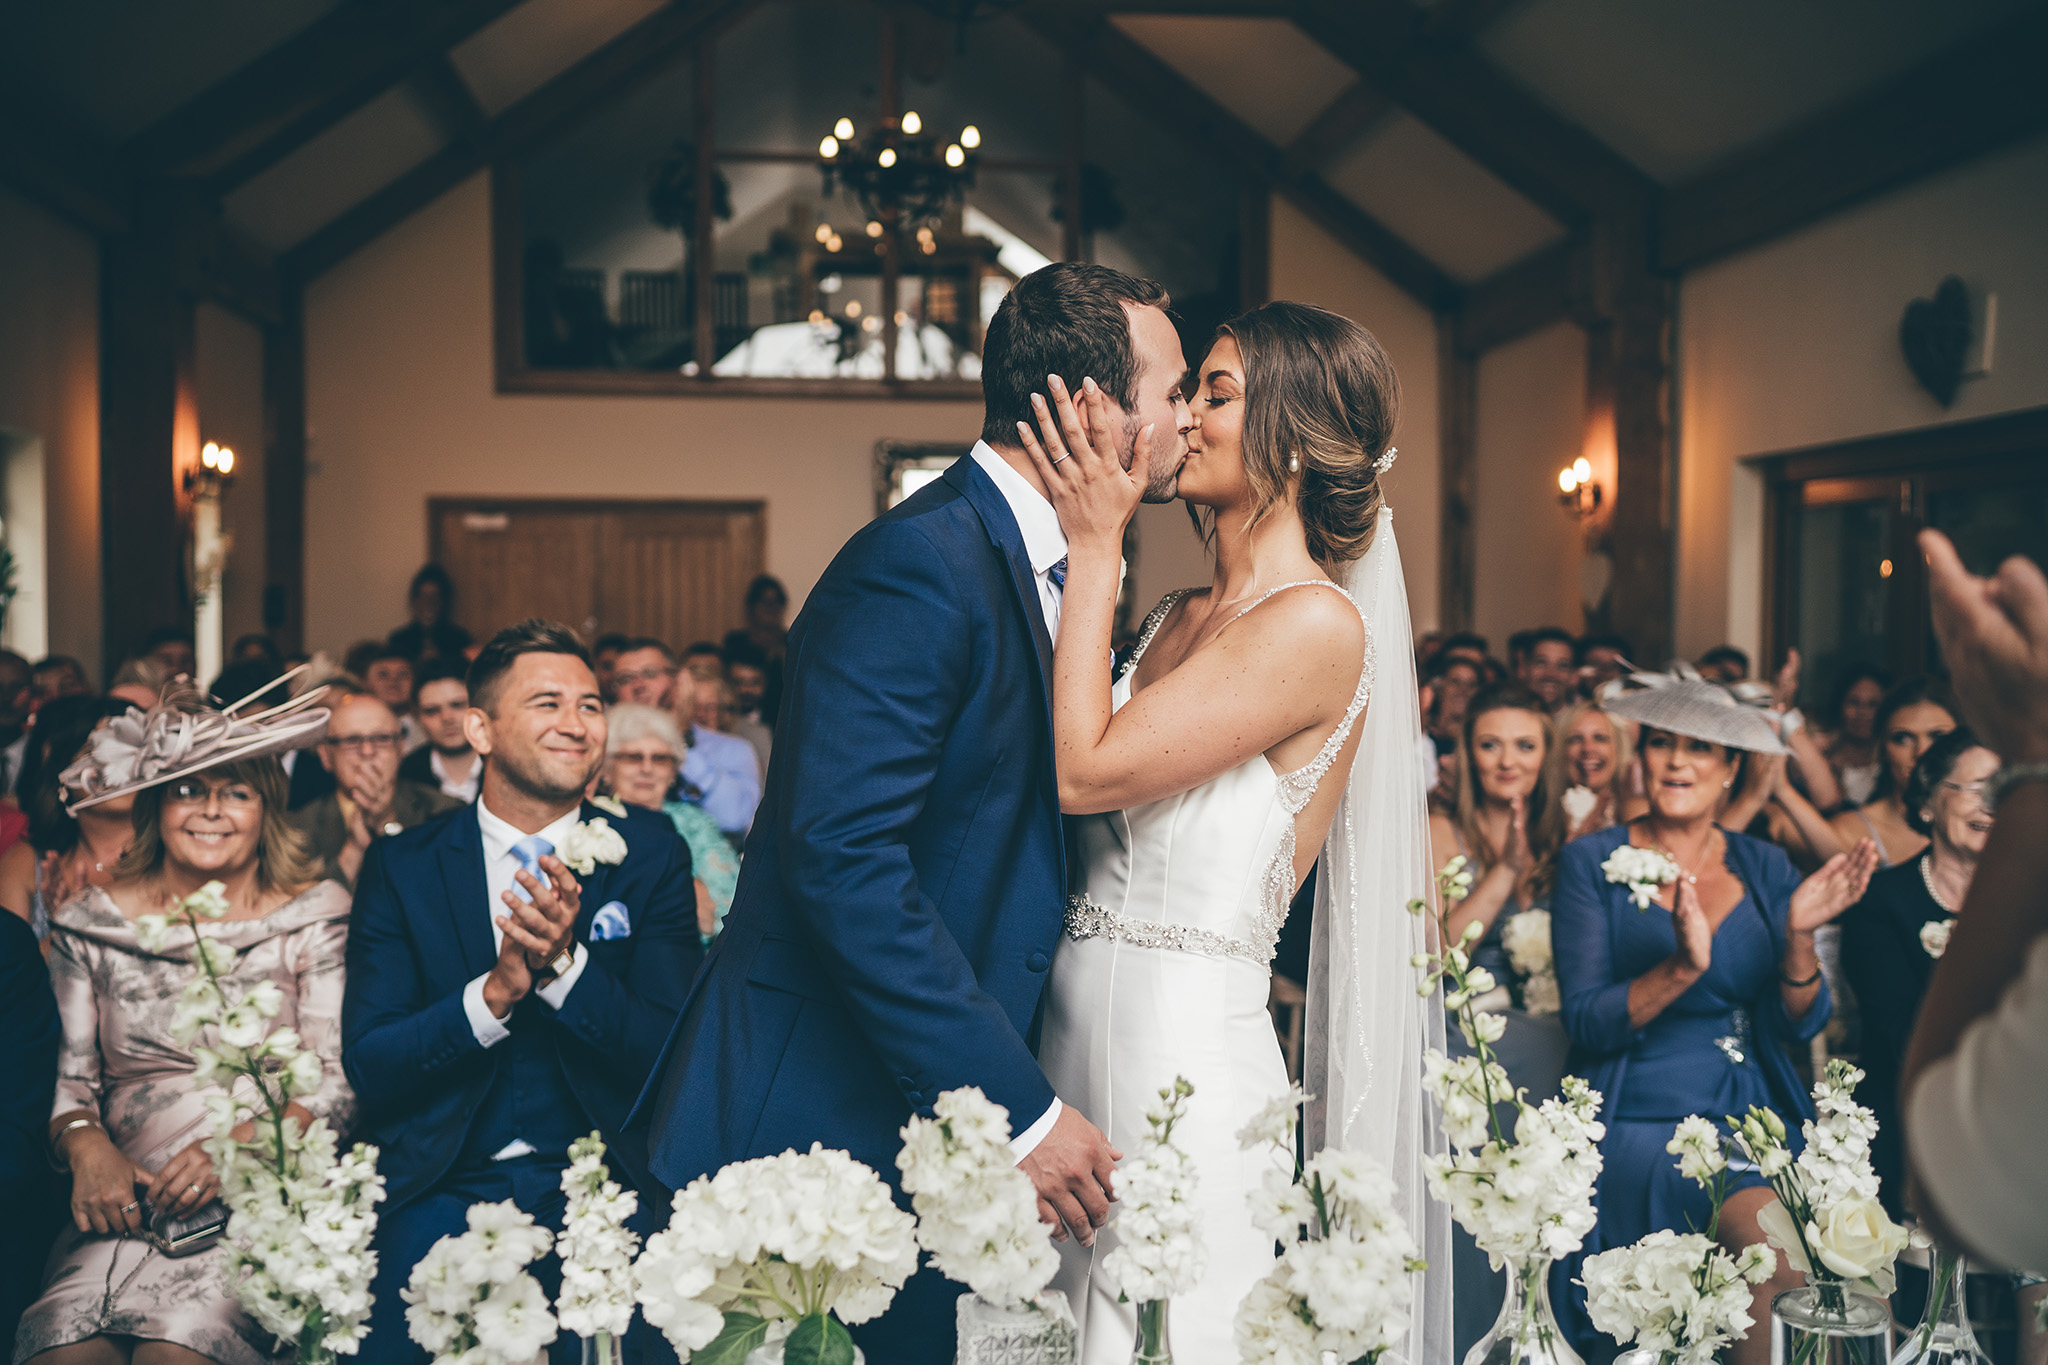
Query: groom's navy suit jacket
point(903, 889)
point(421, 931)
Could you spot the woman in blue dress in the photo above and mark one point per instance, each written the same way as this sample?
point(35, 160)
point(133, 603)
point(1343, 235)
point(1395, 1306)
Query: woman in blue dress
point(1690, 1005)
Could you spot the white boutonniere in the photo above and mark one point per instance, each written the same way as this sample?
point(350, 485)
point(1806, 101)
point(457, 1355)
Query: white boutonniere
point(1644, 871)
point(1934, 936)
point(610, 803)
point(589, 843)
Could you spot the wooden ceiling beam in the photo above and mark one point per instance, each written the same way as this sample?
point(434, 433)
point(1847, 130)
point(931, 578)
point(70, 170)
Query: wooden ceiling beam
point(1336, 128)
point(1129, 67)
point(1568, 172)
point(627, 60)
point(66, 170)
point(1525, 297)
point(239, 126)
point(1980, 95)
point(448, 96)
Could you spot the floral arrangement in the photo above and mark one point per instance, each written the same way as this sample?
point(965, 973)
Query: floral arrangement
point(1344, 1280)
point(977, 1213)
point(1680, 1294)
point(1159, 1249)
point(790, 1247)
point(471, 1300)
point(597, 1249)
point(1578, 802)
point(1934, 936)
point(590, 842)
point(1826, 1218)
point(1523, 1200)
point(1644, 871)
point(1526, 937)
point(301, 1215)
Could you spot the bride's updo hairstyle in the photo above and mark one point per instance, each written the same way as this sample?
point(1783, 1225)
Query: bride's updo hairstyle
point(1317, 389)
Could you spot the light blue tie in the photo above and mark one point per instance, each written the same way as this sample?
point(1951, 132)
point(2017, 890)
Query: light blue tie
point(529, 851)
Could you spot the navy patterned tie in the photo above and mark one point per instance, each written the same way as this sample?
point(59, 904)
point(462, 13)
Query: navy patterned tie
point(1058, 574)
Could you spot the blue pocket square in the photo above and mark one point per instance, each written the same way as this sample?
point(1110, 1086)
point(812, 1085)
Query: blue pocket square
point(610, 921)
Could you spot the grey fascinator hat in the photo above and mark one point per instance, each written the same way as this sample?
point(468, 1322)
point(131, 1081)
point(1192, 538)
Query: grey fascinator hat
point(1697, 708)
point(183, 734)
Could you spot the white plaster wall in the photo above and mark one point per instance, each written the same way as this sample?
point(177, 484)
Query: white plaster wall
point(1532, 417)
point(49, 392)
point(1796, 343)
point(1310, 266)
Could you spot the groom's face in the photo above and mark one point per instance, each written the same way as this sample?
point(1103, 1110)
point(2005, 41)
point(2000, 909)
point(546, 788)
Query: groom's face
point(1158, 402)
point(545, 729)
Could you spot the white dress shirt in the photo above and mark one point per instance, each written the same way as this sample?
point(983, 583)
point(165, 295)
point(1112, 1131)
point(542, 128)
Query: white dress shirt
point(1045, 545)
point(499, 865)
point(1974, 1122)
point(464, 790)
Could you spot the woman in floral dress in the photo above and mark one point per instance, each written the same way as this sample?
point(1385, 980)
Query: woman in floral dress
point(129, 1115)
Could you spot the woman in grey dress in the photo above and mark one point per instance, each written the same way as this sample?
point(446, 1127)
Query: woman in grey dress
point(129, 1116)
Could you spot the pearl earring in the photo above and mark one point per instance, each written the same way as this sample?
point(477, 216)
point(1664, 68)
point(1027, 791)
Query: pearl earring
point(1294, 464)
point(1729, 783)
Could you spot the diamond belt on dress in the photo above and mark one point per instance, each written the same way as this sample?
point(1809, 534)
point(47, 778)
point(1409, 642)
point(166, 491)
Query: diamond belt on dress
point(1086, 919)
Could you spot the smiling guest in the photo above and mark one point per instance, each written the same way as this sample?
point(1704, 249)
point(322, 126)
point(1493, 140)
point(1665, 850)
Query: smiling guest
point(514, 967)
point(1892, 938)
point(130, 1116)
point(1911, 717)
point(1686, 1004)
point(644, 752)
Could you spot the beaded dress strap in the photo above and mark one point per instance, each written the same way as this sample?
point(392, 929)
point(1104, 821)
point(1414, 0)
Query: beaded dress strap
point(1151, 627)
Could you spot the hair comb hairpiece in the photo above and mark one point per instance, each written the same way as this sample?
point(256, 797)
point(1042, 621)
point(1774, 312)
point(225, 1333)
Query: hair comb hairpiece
point(183, 734)
point(1386, 460)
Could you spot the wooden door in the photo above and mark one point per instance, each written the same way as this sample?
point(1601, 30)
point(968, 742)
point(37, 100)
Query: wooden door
point(674, 570)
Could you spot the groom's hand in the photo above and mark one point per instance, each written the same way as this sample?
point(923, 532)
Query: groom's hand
point(1073, 1170)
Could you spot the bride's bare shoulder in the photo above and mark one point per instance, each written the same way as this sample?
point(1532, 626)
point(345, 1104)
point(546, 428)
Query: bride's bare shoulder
point(1314, 618)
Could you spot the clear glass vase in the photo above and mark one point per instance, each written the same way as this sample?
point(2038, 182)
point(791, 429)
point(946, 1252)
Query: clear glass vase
point(602, 1349)
point(1643, 1355)
point(1943, 1336)
point(1152, 1346)
point(1041, 1333)
point(1827, 1324)
point(1526, 1332)
point(770, 1353)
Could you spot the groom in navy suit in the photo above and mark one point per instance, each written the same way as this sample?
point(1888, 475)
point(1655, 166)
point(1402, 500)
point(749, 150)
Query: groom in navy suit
point(904, 887)
point(499, 1004)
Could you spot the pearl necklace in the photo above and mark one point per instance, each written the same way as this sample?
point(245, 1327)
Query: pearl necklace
point(1927, 878)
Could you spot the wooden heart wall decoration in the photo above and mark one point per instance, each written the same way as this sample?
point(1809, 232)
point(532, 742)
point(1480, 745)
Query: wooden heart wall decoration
point(1935, 335)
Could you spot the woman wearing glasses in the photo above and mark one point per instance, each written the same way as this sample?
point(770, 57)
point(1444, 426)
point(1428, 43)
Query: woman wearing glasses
point(1892, 938)
point(129, 1114)
point(643, 758)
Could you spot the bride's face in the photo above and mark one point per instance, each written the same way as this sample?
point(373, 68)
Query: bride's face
point(1213, 473)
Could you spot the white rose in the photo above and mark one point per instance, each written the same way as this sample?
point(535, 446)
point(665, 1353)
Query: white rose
point(1856, 1240)
point(1578, 803)
point(1934, 936)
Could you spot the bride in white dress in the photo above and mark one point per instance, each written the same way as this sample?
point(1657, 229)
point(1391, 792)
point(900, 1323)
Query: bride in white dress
point(1259, 722)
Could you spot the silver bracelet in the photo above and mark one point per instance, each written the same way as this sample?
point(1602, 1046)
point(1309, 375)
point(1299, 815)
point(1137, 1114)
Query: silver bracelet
point(57, 1142)
point(2011, 775)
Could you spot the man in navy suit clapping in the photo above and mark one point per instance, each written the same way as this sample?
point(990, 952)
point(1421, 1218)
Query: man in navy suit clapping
point(500, 1004)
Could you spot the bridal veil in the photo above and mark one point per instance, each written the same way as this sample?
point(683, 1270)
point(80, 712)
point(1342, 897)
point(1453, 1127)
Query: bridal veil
point(1367, 1026)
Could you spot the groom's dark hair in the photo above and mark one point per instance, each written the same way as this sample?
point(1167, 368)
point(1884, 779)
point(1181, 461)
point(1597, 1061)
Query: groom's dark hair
point(494, 660)
point(1066, 319)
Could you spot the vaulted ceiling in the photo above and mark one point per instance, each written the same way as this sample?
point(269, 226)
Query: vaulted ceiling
point(1447, 142)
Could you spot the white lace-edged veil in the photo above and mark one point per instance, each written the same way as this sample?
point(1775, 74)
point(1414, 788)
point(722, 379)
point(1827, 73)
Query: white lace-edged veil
point(1367, 1027)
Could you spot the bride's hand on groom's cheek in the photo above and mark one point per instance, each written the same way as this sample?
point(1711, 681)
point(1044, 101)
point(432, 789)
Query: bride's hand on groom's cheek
point(1075, 451)
point(1074, 1171)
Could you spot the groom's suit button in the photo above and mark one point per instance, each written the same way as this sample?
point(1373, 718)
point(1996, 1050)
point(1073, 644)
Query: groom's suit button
point(1036, 962)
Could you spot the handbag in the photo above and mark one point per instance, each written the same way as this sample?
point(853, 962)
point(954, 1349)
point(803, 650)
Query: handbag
point(185, 1234)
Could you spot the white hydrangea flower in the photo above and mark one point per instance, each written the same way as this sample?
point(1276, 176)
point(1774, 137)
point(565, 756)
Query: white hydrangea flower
point(1159, 1250)
point(471, 1301)
point(596, 1246)
point(977, 1213)
point(1674, 1293)
point(1526, 938)
point(1644, 871)
point(590, 842)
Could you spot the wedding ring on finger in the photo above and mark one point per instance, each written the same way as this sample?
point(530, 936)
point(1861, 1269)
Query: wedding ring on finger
point(130, 1208)
point(1067, 456)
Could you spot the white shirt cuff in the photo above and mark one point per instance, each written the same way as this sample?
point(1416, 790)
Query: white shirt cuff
point(557, 991)
point(1021, 1145)
point(489, 1031)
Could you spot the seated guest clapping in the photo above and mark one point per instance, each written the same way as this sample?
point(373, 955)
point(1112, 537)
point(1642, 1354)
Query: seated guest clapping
point(130, 1115)
point(1682, 1003)
point(500, 1004)
point(370, 800)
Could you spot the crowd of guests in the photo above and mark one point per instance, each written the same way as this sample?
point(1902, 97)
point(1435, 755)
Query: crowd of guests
point(1813, 857)
point(1818, 863)
point(436, 769)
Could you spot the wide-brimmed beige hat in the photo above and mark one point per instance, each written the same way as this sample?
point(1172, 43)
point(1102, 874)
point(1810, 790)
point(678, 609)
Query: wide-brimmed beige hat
point(185, 734)
point(1697, 708)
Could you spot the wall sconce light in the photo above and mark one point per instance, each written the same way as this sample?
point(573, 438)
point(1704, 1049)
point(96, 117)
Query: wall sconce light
point(215, 472)
point(1577, 489)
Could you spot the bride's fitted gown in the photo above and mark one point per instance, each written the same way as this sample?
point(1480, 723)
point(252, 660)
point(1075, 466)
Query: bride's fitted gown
point(1164, 970)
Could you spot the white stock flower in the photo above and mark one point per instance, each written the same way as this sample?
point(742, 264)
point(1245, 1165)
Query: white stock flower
point(208, 902)
point(1644, 871)
point(153, 932)
point(1159, 1250)
point(596, 1246)
point(1274, 1122)
point(977, 1212)
point(1696, 1142)
point(1934, 936)
point(590, 842)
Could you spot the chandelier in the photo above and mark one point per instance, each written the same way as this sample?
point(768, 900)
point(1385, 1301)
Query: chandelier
point(898, 172)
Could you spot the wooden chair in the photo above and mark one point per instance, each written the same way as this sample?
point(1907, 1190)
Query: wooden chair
point(1288, 1003)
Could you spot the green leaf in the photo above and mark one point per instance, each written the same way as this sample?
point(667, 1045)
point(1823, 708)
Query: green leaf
point(818, 1340)
point(742, 1333)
